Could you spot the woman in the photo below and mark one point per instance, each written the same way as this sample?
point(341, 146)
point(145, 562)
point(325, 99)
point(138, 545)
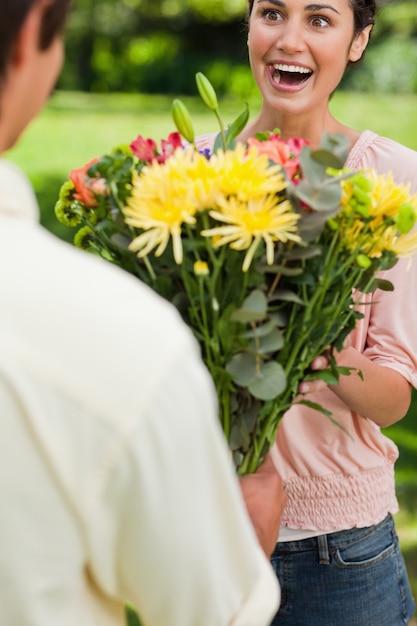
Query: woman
point(337, 558)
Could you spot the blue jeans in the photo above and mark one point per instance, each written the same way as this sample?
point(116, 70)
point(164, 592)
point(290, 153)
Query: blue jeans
point(350, 578)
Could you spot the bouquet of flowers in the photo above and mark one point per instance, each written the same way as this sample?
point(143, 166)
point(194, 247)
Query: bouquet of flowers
point(264, 248)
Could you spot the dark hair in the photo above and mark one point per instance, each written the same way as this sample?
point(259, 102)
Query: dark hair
point(12, 16)
point(363, 13)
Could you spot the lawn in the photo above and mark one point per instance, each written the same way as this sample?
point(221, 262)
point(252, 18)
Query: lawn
point(75, 127)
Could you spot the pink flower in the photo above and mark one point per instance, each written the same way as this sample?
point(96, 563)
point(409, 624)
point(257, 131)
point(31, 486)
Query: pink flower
point(283, 152)
point(87, 189)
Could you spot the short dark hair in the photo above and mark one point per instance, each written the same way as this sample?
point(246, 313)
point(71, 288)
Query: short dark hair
point(363, 13)
point(12, 16)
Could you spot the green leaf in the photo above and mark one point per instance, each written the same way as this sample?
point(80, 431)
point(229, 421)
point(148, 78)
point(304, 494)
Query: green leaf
point(270, 381)
point(379, 283)
point(238, 125)
point(269, 343)
point(239, 437)
point(287, 296)
point(328, 414)
point(253, 309)
point(242, 368)
point(315, 407)
point(329, 377)
point(313, 172)
point(259, 331)
point(281, 269)
point(337, 144)
point(323, 198)
point(132, 618)
point(307, 252)
point(327, 159)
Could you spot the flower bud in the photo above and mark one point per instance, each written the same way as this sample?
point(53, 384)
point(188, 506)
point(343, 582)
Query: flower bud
point(406, 217)
point(201, 268)
point(182, 120)
point(363, 261)
point(206, 91)
point(362, 181)
point(362, 196)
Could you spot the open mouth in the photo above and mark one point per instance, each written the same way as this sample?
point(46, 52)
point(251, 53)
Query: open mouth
point(290, 74)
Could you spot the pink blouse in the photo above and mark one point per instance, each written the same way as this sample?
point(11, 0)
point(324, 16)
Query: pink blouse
point(334, 481)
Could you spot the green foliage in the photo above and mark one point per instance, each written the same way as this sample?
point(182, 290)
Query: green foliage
point(157, 47)
point(389, 67)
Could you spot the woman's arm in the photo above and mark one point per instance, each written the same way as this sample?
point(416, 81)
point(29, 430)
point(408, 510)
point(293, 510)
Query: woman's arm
point(380, 393)
point(371, 390)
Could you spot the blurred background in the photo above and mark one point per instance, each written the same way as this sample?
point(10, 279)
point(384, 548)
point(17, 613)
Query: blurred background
point(127, 59)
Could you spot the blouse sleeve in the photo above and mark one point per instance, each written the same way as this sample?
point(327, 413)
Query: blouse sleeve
point(391, 336)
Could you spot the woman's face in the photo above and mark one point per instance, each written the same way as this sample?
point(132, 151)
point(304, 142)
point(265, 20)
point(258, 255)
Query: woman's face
point(299, 50)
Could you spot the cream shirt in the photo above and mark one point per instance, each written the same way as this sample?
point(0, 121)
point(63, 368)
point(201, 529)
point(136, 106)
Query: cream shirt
point(115, 480)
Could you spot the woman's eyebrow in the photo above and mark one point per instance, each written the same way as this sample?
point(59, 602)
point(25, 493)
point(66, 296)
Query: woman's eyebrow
point(309, 7)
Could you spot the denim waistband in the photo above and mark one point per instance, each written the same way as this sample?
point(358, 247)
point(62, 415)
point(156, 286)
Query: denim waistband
point(343, 538)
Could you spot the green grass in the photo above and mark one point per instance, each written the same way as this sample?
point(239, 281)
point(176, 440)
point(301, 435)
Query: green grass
point(76, 127)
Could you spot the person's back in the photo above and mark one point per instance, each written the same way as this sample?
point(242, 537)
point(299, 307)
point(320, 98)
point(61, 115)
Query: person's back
point(115, 478)
point(101, 388)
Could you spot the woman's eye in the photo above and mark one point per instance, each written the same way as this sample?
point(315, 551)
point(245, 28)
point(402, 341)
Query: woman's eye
point(319, 22)
point(272, 15)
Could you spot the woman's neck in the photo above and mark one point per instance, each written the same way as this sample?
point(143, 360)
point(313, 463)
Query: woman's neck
point(310, 130)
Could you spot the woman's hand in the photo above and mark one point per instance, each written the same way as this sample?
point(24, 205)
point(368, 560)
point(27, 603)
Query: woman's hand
point(312, 386)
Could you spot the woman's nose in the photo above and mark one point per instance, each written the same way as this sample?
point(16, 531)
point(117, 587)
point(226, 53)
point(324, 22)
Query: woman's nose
point(291, 37)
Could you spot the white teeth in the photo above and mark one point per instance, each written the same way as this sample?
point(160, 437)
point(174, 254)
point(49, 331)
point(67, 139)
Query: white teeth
point(291, 68)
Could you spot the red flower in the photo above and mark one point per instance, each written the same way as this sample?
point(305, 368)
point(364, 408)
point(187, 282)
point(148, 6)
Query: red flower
point(87, 189)
point(147, 151)
point(169, 146)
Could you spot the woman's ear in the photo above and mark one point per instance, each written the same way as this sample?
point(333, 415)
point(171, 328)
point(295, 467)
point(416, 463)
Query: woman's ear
point(359, 44)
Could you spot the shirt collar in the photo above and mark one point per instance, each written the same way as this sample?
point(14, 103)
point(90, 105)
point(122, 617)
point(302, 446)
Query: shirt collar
point(17, 197)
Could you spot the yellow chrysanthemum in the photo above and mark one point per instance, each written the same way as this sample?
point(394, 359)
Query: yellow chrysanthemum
point(247, 223)
point(246, 174)
point(387, 196)
point(164, 197)
point(401, 245)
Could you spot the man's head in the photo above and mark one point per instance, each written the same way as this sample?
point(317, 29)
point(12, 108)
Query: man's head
point(31, 54)
point(13, 14)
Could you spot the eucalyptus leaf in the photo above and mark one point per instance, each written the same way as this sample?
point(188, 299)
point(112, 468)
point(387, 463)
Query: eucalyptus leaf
point(239, 437)
point(269, 343)
point(253, 309)
point(259, 331)
point(269, 382)
point(282, 269)
point(313, 171)
point(307, 252)
point(311, 225)
point(327, 159)
point(243, 368)
point(287, 296)
point(323, 198)
point(338, 144)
